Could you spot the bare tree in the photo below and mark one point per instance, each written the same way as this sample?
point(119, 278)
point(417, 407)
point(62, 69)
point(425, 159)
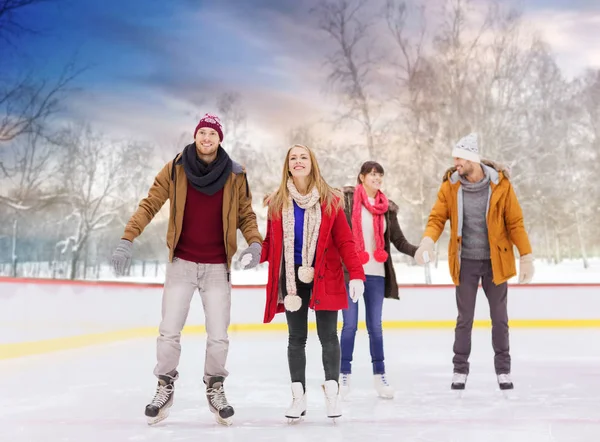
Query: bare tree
point(95, 173)
point(28, 168)
point(10, 26)
point(26, 103)
point(351, 63)
point(234, 119)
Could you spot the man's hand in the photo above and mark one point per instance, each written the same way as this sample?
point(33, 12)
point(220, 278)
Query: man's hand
point(121, 257)
point(526, 269)
point(251, 256)
point(425, 253)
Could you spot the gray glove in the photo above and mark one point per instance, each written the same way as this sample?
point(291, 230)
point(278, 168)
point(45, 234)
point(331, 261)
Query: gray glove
point(121, 257)
point(251, 256)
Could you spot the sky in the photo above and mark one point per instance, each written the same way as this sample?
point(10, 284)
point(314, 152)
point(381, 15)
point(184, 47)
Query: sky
point(153, 67)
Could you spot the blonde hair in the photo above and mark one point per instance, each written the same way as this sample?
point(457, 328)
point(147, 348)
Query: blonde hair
point(278, 201)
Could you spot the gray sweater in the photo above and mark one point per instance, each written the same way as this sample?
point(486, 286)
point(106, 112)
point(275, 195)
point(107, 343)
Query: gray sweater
point(475, 242)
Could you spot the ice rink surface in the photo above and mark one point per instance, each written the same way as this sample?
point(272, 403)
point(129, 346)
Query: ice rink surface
point(98, 394)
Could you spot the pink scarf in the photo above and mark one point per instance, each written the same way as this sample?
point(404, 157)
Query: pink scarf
point(377, 210)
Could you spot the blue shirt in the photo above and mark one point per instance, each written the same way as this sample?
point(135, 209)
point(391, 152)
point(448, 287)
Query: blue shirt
point(298, 233)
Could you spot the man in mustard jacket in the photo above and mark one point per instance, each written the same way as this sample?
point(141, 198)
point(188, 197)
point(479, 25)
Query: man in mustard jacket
point(485, 222)
point(210, 200)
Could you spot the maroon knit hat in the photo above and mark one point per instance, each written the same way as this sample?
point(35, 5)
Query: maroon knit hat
point(211, 121)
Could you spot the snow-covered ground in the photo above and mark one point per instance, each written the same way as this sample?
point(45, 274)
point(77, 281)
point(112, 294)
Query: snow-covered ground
point(565, 272)
point(568, 271)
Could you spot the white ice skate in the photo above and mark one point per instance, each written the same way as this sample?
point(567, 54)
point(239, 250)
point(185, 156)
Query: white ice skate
point(382, 387)
point(298, 407)
point(505, 382)
point(332, 399)
point(344, 385)
point(459, 381)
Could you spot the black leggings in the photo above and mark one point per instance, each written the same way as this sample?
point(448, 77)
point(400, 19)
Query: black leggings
point(298, 333)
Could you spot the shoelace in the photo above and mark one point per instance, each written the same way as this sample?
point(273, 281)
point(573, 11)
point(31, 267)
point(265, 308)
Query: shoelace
point(162, 395)
point(384, 380)
point(345, 378)
point(217, 397)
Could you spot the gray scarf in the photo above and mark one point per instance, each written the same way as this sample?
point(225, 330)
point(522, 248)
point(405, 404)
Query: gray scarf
point(476, 187)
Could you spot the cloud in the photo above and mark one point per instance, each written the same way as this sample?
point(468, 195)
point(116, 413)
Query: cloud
point(572, 35)
point(160, 73)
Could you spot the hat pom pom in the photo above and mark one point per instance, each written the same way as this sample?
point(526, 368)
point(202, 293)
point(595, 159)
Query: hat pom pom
point(292, 303)
point(380, 255)
point(363, 257)
point(306, 274)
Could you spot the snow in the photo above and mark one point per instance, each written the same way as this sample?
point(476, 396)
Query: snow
point(98, 394)
point(568, 271)
point(565, 272)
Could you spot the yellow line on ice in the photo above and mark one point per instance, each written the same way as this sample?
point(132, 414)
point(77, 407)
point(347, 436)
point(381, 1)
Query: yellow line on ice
point(21, 349)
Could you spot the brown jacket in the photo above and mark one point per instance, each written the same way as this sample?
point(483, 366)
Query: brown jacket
point(393, 235)
point(504, 222)
point(171, 183)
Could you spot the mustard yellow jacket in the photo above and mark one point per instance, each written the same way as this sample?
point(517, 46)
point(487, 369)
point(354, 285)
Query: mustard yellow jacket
point(504, 222)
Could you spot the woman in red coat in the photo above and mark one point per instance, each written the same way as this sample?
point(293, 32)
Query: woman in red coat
point(307, 239)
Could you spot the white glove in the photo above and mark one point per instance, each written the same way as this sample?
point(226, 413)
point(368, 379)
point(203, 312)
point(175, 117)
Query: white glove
point(357, 288)
point(425, 253)
point(526, 269)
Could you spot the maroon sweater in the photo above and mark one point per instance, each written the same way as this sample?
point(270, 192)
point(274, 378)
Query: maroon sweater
point(202, 239)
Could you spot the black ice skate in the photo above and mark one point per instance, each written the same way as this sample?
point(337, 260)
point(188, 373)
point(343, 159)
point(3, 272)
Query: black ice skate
point(217, 402)
point(505, 382)
point(459, 381)
point(158, 409)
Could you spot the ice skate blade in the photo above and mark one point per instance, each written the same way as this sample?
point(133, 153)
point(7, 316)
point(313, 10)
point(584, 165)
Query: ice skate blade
point(296, 417)
point(159, 418)
point(458, 393)
point(508, 394)
point(221, 421)
point(295, 420)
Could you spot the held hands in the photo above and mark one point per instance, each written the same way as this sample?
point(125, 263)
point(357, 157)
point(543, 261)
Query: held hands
point(251, 256)
point(526, 269)
point(121, 257)
point(425, 253)
point(356, 288)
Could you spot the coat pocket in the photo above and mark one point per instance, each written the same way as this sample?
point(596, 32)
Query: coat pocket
point(334, 278)
point(507, 258)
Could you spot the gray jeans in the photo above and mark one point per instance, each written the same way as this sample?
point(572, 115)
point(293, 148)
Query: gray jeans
point(471, 271)
point(182, 280)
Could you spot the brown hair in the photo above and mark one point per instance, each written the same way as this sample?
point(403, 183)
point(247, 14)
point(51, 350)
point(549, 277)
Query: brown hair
point(333, 198)
point(367, 168)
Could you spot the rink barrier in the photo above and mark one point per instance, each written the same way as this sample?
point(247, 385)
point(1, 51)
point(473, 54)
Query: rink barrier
point(41, 339)
point(154, 285)
point(22, 349)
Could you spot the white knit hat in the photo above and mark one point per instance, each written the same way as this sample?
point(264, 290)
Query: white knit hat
point(467, 149)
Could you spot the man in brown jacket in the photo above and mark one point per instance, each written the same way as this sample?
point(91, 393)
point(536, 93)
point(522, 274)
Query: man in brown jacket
point(210, 199)
point(485, 222)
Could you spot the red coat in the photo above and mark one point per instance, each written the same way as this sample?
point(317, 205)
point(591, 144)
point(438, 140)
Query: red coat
point(335, 244)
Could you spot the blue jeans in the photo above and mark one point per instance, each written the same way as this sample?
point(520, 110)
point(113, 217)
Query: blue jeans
point(373, 296)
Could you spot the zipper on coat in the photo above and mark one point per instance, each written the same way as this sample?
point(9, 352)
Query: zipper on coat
point(174, 179)
point(227, 230)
